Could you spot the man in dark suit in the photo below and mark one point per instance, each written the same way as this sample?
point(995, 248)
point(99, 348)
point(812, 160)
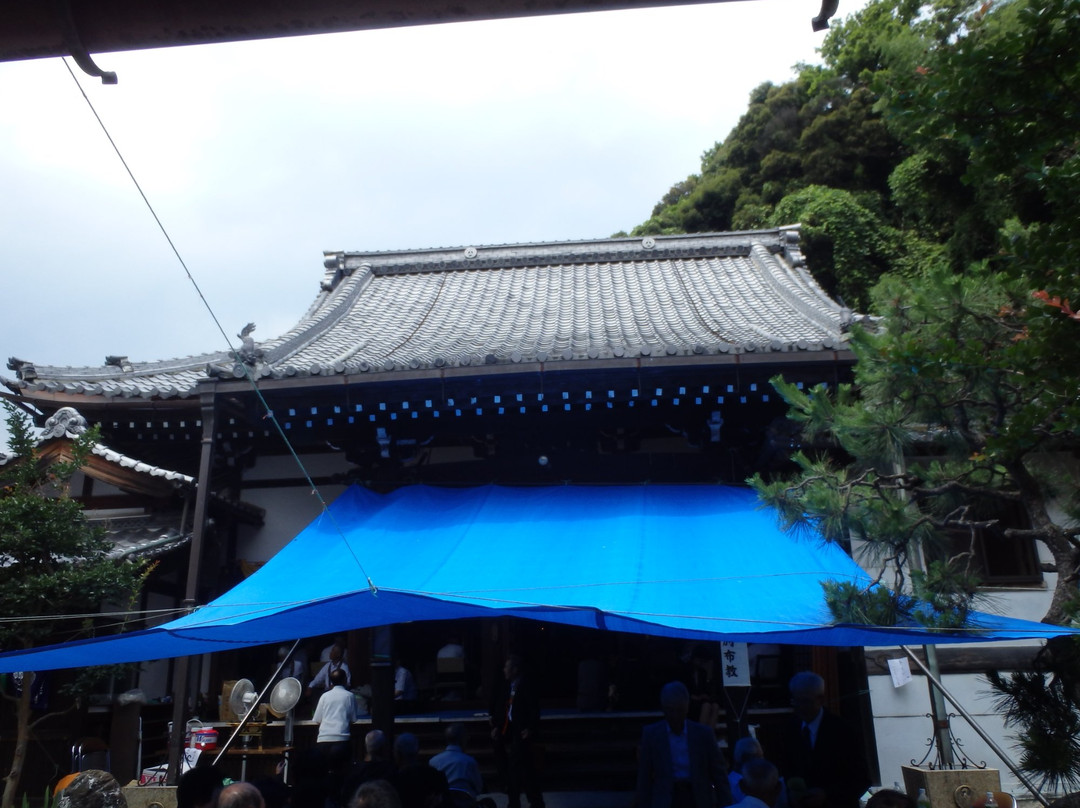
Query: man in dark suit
point(515, 725)
point(821, 754)
point(679, 764)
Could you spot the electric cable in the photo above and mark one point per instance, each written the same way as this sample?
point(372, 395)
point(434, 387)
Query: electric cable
point(206, 304)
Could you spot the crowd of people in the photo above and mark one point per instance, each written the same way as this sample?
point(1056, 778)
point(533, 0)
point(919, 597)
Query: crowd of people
point(815, 763)
point(387, 777)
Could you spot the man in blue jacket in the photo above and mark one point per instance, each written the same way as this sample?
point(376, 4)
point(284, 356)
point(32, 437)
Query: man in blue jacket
point(679, 764)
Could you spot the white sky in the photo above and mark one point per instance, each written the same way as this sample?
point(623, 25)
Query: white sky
point(257, 156)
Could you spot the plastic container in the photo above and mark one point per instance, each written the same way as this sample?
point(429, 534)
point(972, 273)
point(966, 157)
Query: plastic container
point(204, 738)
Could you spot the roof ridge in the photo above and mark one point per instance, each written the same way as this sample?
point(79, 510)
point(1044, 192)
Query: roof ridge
point(499, 256)
point(319, 317)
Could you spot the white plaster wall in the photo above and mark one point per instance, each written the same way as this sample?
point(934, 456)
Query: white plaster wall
point(901, 727)
point(288, 510)
point(154, 675)
point(903, 730)
point(276, 467)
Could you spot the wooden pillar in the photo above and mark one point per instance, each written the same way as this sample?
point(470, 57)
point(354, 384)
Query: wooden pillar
point(182, 669)
point(382, 679)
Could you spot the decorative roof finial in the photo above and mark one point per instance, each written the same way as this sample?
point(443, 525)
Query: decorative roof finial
point(121, 362)
point(248, 353)
point(66, 422)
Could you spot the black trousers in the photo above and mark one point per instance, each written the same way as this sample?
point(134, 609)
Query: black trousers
point(682, 795)
point(516, 758)
point(336, 757)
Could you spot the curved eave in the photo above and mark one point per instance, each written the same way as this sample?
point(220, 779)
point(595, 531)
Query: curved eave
point(329, 377)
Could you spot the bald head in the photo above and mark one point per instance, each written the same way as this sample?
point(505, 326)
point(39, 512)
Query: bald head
point(761, 779)
point(240, 795)
point(375, 744)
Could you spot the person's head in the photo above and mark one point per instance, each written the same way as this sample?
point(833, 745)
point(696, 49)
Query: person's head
point(456, 734)
point(240, 795)
point(512, 667)
point(375, 794)
point(406, 749)
point(92, 788)
point(199, 787)
point(338, 677)
point(421, 786)
point(889, 798)
point(337, 653)
point(675, 703)
point(747, 749)
point(760, 779)
point(807, 694)
point(375, 746)
point(274, 792)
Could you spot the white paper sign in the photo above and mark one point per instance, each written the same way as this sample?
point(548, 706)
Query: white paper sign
point(735, 664)
point(900, 670)
point(190, 759)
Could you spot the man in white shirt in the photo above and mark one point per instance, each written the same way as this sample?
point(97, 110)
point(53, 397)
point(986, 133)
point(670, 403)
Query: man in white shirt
point(335, 714)
point(336, 663)
point(405, 692)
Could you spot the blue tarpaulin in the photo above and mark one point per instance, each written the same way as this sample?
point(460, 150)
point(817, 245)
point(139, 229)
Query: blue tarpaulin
point(702, 562)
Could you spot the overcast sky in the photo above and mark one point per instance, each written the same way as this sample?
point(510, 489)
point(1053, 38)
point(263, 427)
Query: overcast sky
point(258, 156)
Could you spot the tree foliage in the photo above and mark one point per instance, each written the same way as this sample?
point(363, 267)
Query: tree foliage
point(53, 564)
point(948, 425)
point(934, 163)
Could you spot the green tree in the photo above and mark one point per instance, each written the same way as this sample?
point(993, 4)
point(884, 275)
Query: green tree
point(850, 245)
point(55, 564)
point(821, 130)
point(952, 420)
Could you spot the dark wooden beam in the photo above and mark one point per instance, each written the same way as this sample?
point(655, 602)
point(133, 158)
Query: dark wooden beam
point(971, 659)
point(34, 29)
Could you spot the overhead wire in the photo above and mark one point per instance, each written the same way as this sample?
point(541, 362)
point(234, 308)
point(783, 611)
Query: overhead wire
point(217, 323)
point(144, 613)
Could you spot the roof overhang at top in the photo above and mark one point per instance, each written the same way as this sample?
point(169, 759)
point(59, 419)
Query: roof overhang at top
point(33, 30)
point(663, 302)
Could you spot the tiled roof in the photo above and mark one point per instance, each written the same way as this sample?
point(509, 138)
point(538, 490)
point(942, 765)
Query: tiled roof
point(512, 305)
point(142, 536)
point(126, 462)
point(68, 423)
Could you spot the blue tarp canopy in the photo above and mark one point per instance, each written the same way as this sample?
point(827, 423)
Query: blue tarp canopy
point(700, 562)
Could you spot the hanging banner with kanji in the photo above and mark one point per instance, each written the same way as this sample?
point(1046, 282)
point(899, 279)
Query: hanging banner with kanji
point(735, 663)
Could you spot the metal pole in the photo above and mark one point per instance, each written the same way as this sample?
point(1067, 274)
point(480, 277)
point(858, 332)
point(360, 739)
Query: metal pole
point(941, 715)
point(978, 729)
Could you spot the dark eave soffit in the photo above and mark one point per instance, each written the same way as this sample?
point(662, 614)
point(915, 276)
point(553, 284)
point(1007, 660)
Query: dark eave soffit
point(34, 29)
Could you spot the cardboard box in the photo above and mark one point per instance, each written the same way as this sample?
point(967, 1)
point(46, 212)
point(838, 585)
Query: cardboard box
point(951, 788)
point(224, 713)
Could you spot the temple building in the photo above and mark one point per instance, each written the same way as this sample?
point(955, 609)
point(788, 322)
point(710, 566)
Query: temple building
point(614, 362)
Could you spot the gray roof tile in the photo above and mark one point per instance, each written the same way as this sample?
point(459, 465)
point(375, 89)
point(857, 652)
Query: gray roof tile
point(667, 296)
